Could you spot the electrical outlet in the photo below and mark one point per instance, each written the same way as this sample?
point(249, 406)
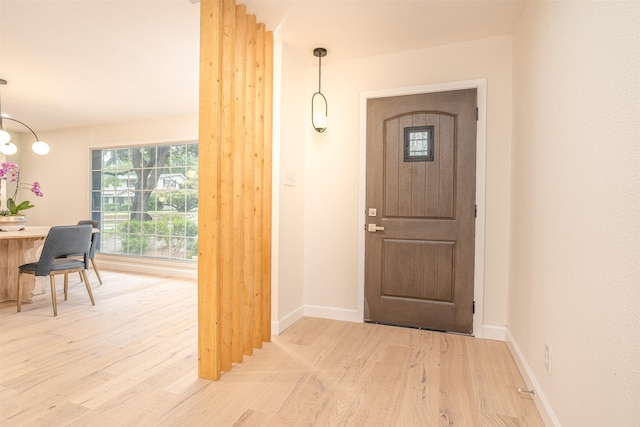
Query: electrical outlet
point(547, 357)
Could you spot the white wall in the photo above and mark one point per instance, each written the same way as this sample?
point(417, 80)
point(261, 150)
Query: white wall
point(331, 163)
point(287, 284)
point(575, 249)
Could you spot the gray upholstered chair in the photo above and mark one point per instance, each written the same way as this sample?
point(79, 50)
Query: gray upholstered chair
point(61, 242)
point(92, 251)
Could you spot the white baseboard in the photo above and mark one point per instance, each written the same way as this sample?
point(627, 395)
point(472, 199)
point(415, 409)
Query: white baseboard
point(493, 332)
point(544, 407)
point(347, 315)
point(333, 313)
point(185, 270)
point(279, 326)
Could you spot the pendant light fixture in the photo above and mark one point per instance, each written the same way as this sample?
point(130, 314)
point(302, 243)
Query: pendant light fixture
point(319, 108)
point(9, 148)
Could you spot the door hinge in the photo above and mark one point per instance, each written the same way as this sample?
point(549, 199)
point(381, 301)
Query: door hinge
point(475, 212)
point(477, 114)
point(473, 309)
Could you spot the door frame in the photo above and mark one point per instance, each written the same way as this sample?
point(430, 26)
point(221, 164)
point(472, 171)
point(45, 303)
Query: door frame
point(481, 148)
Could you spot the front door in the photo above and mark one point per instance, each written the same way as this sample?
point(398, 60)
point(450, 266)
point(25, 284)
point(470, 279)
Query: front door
point(420, 196)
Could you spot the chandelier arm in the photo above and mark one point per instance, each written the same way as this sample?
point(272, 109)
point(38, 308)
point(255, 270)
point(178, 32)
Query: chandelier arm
point(23, 124)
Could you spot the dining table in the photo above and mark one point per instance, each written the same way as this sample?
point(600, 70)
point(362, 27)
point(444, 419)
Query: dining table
point(17, 248)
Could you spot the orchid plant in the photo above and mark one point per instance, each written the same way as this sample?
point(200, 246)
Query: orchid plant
point(10, 172)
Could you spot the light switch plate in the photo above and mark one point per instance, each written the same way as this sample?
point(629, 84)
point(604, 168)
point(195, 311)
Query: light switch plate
point(289, 179)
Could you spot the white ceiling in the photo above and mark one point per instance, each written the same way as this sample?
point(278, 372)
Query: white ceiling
point(84, 62)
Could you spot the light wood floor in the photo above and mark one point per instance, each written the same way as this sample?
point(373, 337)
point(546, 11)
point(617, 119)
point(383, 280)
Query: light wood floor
point(132, 361)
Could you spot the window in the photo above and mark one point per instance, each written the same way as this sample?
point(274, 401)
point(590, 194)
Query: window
point(418, 144)
point(146, 199)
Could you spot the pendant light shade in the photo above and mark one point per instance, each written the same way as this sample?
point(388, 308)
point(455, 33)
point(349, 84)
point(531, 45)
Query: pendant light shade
point(4, 136)
point(9, 148)
point(40, 147)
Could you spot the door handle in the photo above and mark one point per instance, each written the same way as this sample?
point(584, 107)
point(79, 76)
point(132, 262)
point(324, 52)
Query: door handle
point(373, 228)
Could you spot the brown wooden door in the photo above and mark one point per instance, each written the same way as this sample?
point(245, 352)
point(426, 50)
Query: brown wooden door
point(421, 169)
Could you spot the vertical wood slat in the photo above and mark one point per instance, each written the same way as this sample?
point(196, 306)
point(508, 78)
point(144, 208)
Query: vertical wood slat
point(234, 251)
point(250, 26)
point(209, 127)
point(239, 185)
point(257, 185)
point(266, 187)
point(226, 187)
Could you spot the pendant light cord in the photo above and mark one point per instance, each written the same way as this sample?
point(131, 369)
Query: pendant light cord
point(319, 72)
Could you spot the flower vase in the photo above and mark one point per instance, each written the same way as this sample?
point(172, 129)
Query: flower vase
point(12, 222)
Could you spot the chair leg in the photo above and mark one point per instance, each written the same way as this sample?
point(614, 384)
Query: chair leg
point(95, 268)
point(86, 282)
point(66, 286)
point(53, 294)
point(19, 292)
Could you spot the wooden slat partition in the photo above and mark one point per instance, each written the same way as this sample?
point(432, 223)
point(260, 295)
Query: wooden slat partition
point(234, 247)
